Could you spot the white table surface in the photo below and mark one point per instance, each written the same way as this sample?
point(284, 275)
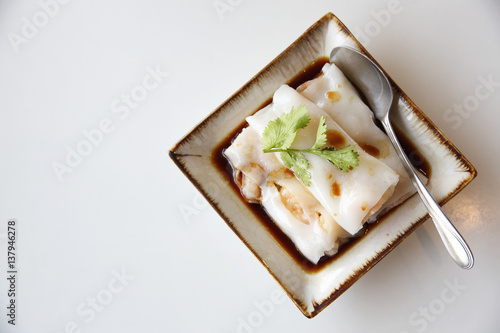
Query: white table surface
point(119, 240)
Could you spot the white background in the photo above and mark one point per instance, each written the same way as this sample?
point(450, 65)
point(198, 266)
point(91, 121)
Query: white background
point(125, 208)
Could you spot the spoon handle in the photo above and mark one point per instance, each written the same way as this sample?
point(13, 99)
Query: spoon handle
point(453, 241)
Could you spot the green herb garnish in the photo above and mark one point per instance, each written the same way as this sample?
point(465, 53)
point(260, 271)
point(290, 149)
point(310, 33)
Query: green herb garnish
point(279, 134)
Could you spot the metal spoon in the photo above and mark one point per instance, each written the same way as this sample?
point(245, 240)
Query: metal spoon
point(372, 82)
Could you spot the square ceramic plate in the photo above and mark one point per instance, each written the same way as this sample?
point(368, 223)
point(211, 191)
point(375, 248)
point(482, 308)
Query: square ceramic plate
point(313, 288)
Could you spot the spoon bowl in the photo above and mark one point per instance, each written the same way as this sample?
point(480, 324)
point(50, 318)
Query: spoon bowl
point(374, 85)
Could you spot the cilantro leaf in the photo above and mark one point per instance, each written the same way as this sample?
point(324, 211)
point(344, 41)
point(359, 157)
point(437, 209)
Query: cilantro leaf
point(298, 163)
point(280, 133)
point(345, 159)
point(320, 134)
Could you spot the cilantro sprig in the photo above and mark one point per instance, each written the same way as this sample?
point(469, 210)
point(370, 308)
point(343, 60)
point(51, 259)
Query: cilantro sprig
point(280, 133)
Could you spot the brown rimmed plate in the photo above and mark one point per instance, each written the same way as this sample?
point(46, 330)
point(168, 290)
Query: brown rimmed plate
point(313, 289)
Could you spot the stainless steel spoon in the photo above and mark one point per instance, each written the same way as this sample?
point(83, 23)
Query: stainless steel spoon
point(372, 82)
